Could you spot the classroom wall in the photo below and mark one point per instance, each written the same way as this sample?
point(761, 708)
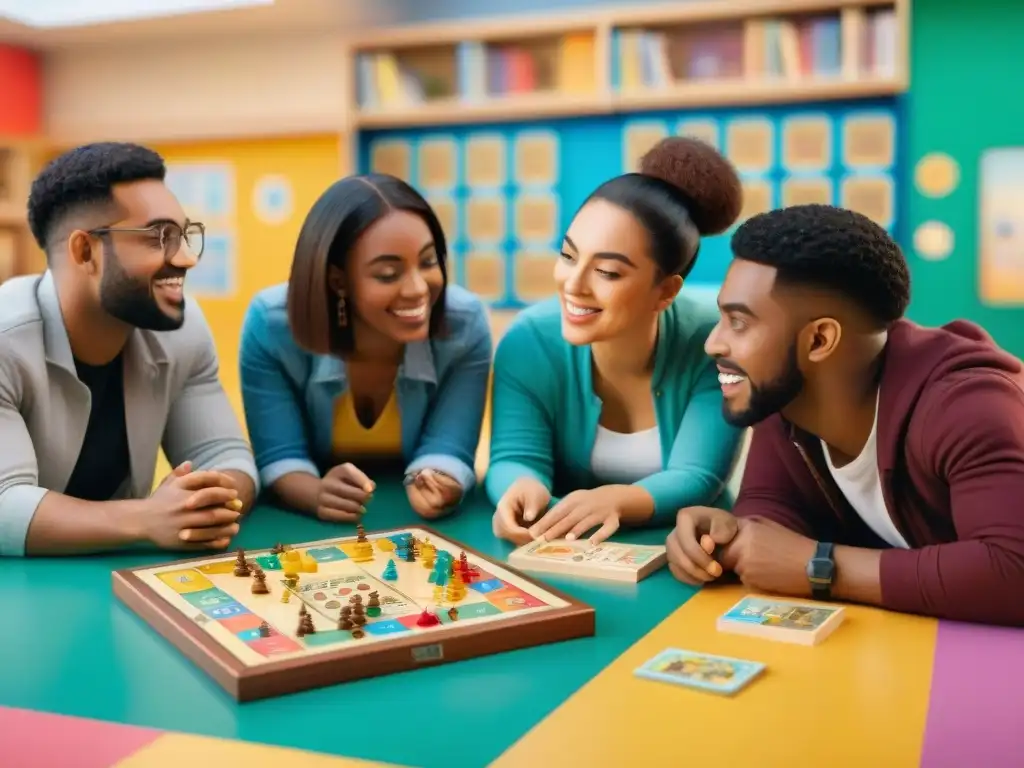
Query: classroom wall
point(220, 88)
point(965, 63)
point(252, 225)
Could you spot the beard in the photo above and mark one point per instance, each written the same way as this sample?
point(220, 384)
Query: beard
point(131, 300)
point(769, 398)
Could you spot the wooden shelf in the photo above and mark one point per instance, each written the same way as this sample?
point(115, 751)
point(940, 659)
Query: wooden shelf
point(448, 111)
point(519, 69)
point(742, 93)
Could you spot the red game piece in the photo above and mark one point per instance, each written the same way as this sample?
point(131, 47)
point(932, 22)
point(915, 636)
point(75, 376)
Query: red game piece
point(427, 619)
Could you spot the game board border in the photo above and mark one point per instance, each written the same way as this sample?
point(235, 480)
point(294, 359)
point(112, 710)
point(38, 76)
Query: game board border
point(573, 621)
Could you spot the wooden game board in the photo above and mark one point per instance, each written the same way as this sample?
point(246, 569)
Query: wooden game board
point(213, 617)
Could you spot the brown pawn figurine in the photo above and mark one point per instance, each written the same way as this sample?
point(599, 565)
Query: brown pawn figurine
point(259, 582)
point(306, 625)
point(453, 613)
point(360, 533)
point(359, 620)
point(357, 633)
point(356, 599)
point(264, 629)
point(345, 622)
point(241, 566)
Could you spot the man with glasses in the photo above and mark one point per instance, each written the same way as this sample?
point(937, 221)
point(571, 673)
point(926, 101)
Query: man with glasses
point(103, 361)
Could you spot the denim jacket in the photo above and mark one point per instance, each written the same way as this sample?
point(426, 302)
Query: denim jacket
point(289, 393)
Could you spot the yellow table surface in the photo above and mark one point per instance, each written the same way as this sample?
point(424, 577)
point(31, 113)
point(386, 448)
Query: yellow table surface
point(860, 698)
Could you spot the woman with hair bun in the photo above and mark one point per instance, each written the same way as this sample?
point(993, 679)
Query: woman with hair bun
point(604, 392)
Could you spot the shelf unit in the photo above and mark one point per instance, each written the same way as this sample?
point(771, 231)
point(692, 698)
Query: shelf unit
point(703, 53)
point(18, 251)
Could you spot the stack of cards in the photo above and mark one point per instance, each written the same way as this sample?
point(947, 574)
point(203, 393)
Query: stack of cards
point(716, 674)
point(786, 620)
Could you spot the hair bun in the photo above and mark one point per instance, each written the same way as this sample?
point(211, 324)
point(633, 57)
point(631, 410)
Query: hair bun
point(703, 175)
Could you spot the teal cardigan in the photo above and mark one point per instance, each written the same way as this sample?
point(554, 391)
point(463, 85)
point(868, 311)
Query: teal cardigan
point(545, 412)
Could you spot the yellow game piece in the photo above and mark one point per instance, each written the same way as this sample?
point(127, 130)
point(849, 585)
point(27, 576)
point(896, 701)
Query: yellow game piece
point(286, 595)
point(235, 504)
point(362, 551)
point(384, 544)
point(456, 588)
point(307, 564)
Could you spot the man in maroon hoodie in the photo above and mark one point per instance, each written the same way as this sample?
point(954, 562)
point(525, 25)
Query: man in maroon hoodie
point(886, 466)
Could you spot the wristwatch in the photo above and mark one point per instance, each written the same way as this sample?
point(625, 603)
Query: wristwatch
point(820, 570)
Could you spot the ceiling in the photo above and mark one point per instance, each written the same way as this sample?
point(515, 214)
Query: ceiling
point(118, 20)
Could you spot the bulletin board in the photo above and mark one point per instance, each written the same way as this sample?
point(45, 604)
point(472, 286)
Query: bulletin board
point(1001, 227)
point(207, 193)
point(506, 193)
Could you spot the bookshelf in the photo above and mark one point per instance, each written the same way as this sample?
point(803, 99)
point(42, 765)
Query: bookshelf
point(702, 53)
point(17, 249)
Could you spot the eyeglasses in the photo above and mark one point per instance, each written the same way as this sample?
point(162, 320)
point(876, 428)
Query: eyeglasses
point(170, 236)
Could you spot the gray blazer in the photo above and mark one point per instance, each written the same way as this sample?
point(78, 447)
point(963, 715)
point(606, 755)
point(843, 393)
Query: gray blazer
point(173, 399)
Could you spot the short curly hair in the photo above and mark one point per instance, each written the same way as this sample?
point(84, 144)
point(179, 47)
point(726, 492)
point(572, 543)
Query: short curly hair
point(83, 178)
point(832, 248)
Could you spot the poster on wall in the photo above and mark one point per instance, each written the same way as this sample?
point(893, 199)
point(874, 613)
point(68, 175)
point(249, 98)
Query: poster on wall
point(207, 193)
point(1001, 227)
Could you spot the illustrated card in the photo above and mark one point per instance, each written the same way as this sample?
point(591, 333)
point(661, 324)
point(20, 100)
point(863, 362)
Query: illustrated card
point(779, 614)
point(715, 674)
point(582, 551)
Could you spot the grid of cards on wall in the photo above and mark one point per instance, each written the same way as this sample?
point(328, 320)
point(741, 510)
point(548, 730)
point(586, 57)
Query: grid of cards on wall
point(495, 195)
point(506, 193)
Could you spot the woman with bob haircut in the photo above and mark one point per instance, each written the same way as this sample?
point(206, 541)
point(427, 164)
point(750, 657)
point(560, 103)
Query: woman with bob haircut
point(604, 393)
point(365, 357)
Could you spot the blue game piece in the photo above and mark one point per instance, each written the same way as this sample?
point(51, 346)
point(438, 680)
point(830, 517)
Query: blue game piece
point(390, 571)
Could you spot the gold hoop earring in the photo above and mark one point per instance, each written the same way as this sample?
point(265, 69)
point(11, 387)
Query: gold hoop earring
point(342, 314)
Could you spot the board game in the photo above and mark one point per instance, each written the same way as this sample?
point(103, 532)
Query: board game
point(608, 560)
point(803, 623)
point(264, 623)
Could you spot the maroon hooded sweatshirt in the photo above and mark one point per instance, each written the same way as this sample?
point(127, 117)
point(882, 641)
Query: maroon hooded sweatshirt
point(951, 462)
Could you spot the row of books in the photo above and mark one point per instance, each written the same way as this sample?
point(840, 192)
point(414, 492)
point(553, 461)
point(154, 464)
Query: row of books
point(752, 49)
point(482, 71)
point(757, 49)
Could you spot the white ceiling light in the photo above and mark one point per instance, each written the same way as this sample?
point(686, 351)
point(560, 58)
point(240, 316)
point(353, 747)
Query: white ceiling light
point(74, 13)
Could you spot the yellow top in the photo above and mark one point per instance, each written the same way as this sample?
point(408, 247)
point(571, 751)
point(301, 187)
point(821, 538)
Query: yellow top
point(351, 438)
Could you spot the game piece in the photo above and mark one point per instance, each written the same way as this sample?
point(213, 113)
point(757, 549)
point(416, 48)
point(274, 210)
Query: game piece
point(235, 504)
point(214, 619)
point(390, 571)
point(788, 621)
point(259, 582)
point(410, 551)
point(428, 554)
point(384, 544)
point(286, 595)
point(608, 560)
point(427, 619)
point(277, 549)
point(456, 588)
point(715, 674)
point(373, 606)
point(241, 565)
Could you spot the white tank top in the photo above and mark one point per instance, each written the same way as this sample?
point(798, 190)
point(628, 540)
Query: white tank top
point(619, 458)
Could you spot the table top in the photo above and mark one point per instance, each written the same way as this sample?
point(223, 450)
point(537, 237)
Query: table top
point(884, 689)
point(69, 647)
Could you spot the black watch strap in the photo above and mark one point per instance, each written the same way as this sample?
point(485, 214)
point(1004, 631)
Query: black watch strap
point(821, 570)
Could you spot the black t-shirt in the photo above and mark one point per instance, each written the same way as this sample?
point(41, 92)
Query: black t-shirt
point(104, 462)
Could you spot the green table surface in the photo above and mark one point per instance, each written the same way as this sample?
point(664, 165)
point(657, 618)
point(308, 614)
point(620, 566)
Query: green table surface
point(68, 646)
